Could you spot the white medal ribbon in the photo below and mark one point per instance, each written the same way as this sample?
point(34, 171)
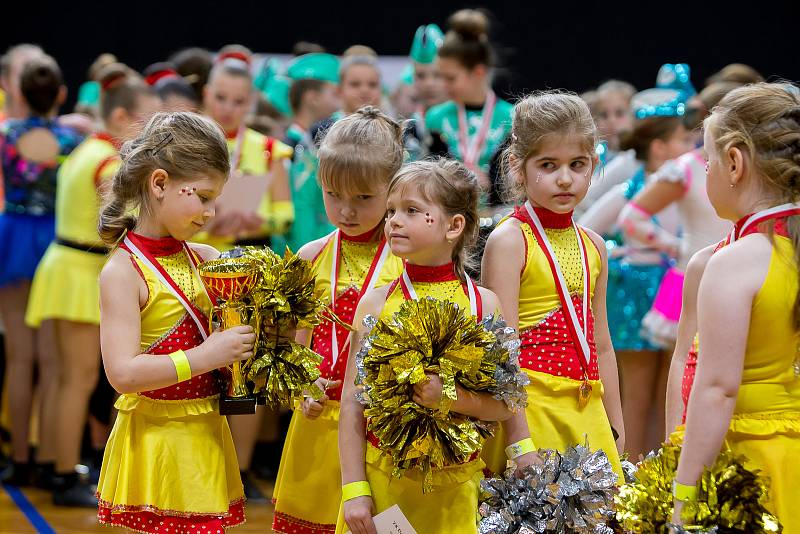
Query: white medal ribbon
point(139, 254)
point(562, 283)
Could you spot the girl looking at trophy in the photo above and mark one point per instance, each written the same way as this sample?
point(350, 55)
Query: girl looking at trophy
point(157, 348)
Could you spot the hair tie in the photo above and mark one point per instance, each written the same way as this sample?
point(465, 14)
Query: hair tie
point(112, 81)
point(155, 77)
point(240, 56)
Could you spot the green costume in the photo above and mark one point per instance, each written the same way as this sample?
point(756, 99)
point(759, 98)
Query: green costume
point(310, 221)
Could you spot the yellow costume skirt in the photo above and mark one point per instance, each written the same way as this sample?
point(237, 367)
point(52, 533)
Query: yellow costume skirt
point(172, 458)
point(451, 508)
point(556, 422)
point(309, 467)
point(771, 444)
point(66, 287)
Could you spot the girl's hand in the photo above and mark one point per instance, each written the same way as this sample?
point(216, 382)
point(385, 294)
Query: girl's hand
point(251, 224)
point(676, 512)
point(272, 332)
point(224, 347)
point(225, 224)
point(313, 408)
point(429, 392)
point(358, 514)
point(527, 459)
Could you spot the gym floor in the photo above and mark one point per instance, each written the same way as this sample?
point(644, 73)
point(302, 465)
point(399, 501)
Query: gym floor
point(31, 511)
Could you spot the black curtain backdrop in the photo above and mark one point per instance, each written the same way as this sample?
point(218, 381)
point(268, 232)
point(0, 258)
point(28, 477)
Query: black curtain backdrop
point(544, 44)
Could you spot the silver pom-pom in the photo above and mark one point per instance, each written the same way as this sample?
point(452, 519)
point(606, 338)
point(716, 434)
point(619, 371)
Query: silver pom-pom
point(571, 492)
point(510, 378)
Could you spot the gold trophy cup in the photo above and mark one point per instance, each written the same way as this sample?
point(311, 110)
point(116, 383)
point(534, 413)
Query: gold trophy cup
point(229, 280)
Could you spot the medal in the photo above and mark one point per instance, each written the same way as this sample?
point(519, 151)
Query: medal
point(584, 392)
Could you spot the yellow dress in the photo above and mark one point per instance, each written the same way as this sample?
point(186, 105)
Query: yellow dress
point(170, 461)
point(548, 354)
point(766, 420)
point(65, 285)
point(256, 156)
point(310, 459)
point(451, 507)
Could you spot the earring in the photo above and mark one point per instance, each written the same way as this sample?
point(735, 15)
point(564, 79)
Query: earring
point(450, 241)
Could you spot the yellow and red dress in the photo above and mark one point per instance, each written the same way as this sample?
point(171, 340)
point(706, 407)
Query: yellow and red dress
point(548, 353)
point(310, 459)
point(450, 508)
point(765, 426)
point(170, 464)
point(65, 285)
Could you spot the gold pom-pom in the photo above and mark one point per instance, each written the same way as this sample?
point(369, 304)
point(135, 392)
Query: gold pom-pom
point(282, 300)
point(437, 337)
point(730, 497)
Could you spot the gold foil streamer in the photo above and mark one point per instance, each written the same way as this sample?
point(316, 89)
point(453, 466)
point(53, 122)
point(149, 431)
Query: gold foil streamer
point(281, 301)
point(430, 336)
point(730, 497)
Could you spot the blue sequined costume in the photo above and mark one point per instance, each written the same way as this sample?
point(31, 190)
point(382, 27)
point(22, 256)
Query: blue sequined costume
point(27, 225)
point(631, 288)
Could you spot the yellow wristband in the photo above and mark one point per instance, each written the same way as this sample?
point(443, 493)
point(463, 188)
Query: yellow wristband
point(682, 492)
point(182, 366)
point(356, 489)
point(515, 450)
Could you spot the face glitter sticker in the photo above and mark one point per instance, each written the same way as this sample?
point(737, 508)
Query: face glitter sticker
point(188, 191)
point(429, 219)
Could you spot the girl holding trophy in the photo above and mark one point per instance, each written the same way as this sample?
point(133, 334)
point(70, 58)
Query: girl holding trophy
point(170, 462)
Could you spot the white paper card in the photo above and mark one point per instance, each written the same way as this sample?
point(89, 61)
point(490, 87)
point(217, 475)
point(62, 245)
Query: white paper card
point(392, 521)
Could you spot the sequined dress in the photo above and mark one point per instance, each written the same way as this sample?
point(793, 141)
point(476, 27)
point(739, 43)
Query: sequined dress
point(310, 459)
point(548, 354)
point(170, 464)
point(451, 506)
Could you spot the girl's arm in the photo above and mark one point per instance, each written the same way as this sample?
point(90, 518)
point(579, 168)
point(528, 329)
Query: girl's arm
point(130, 371)
point(731, 281)
point(687, 328)
point(601, 216)
point(502, 265)
point(501, 268)
point(358, 512)
point(636, 219)
point(606, 359)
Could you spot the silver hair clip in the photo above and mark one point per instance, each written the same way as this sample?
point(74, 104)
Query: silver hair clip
point(161, 144)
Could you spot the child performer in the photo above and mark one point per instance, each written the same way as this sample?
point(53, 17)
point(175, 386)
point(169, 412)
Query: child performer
point(432, 218)
point(170, 463)
point(358, 157)
point(474, 124)
point(32, 148)
point(746, 394)
point(65, 288)
point(550, 275)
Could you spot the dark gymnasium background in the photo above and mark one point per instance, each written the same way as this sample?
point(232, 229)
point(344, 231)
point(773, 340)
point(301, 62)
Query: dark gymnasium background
point(553, 43)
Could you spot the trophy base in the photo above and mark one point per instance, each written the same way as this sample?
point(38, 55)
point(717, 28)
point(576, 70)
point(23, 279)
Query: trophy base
point(237, 405)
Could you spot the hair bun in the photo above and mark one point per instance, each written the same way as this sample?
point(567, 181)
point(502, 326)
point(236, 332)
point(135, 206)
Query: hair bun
point(469, 24)
point(370, 112)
